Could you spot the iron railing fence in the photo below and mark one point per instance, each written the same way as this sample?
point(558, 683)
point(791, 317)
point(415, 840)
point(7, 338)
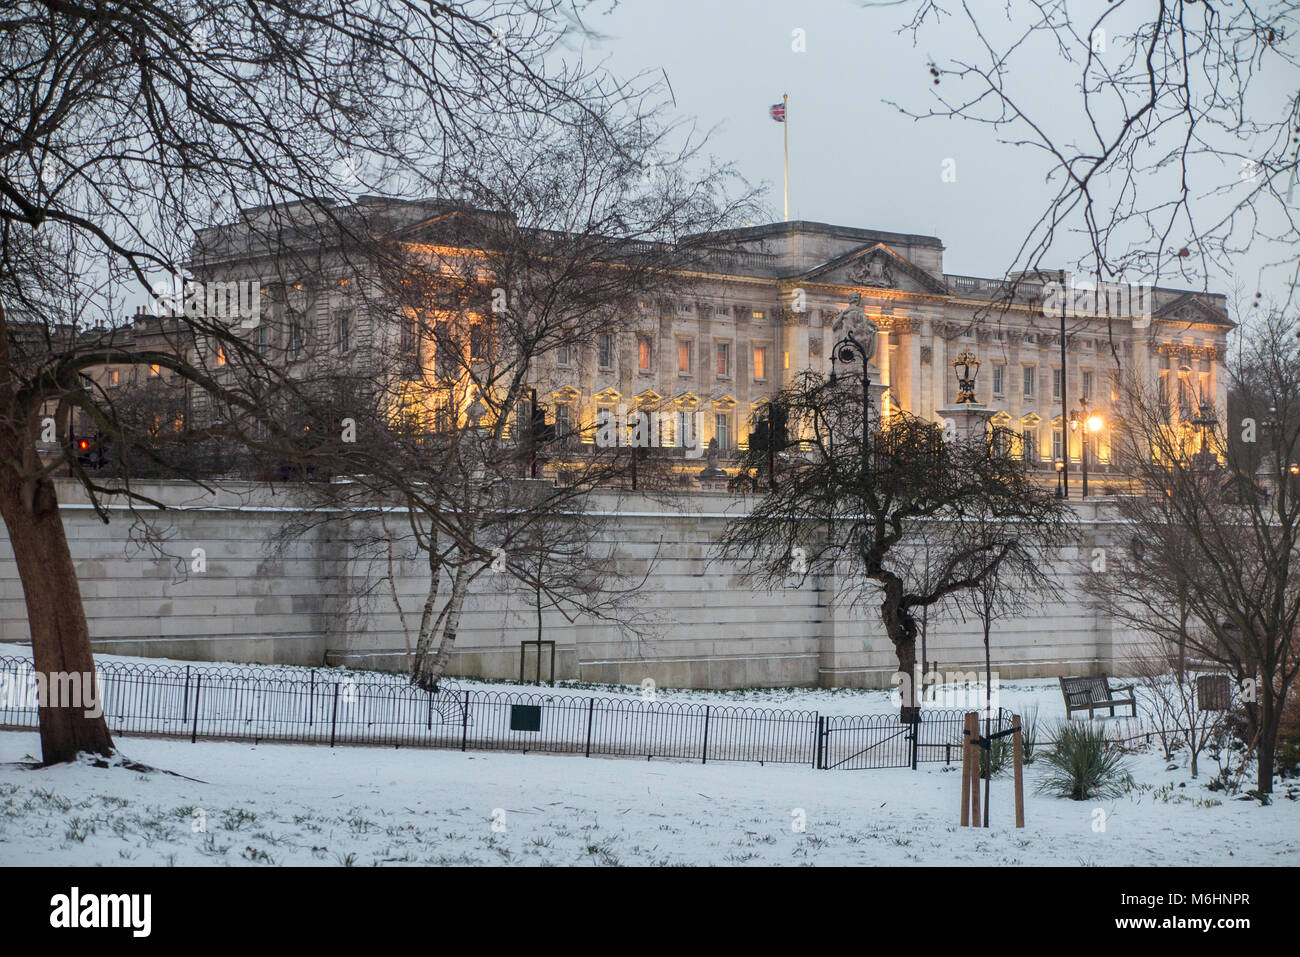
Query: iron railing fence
point(261, 704)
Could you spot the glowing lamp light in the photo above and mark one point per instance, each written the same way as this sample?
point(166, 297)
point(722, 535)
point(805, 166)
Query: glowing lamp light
point(83, 445)
point(1094, 423)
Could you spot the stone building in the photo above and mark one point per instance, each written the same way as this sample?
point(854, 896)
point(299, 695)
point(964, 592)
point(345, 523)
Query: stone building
point(759, 306)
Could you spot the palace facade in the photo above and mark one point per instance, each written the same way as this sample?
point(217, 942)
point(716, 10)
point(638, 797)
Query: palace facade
point(760, 305)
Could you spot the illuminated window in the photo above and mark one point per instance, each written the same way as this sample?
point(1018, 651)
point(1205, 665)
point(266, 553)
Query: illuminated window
point(221, 355)
point(724, 358)
point(758, 314)
point(643, 354)
point(114, 377)
point(684, 357)
point(154, 371)
point(760, 363)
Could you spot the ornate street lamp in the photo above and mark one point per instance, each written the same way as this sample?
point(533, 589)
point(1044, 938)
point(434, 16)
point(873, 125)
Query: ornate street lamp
point(967, 367)
point(1060, 475)
point(1089, 424)
point(847, 350)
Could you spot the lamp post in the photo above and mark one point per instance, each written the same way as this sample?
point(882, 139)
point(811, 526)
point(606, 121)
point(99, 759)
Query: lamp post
point(1060, 476)
point(1083, 423)
point(849, 349)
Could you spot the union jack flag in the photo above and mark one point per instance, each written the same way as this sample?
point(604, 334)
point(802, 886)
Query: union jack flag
point(778, 112)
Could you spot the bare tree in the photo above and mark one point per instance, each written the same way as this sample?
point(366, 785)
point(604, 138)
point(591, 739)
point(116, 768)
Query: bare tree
point(1209, 565)
point(1176, 151)
point(565, 240)
point(122, 124)
point(849, 500)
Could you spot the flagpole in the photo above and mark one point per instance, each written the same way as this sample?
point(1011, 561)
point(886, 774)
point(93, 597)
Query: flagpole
point(785, 129)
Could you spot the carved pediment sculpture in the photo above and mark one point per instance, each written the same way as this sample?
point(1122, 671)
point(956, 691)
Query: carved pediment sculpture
point(872, 270)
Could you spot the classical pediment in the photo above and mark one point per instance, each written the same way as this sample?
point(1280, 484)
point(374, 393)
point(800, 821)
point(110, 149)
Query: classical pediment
point(1191, 308)
point(875, 266)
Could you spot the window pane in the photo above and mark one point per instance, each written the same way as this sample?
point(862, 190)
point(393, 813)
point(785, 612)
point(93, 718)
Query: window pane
point(760, 362)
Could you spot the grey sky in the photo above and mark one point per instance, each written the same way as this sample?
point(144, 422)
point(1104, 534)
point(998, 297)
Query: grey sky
point(855, 160)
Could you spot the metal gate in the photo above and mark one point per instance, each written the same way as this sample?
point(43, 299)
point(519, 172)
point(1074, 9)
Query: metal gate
point(859, 742)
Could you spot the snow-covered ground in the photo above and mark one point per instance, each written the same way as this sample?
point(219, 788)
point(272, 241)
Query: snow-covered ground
point(228, 803)
point(281, 804)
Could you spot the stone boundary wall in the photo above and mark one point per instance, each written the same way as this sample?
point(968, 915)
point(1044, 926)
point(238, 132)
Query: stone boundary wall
point(320, 598)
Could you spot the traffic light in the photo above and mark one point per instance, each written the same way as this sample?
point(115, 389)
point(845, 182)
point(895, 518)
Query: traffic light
point(541, 431)
point(89, 452)
point(770, 432)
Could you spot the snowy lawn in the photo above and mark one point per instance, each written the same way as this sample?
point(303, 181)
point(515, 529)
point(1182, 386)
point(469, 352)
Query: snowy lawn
point(301, 804)
point(283, 804)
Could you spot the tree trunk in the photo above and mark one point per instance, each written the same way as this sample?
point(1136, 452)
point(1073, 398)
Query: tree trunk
point(55, 615)
point(1266, 747)
point(428, 619)
point(431, 669)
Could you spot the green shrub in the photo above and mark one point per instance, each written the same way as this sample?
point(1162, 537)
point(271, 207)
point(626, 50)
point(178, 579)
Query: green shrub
point(1000, 756)
point(1029, 732)
point(1083, 764)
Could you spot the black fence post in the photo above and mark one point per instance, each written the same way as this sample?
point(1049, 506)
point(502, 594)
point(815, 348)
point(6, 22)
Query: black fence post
point(429, 724)
point(311, 701)
point(704, 758)
point(334, 714)
point(819, 760)
point(916, 738)
point(464, 722)
point(591, 707)
point(198, 685)
point(185, 704)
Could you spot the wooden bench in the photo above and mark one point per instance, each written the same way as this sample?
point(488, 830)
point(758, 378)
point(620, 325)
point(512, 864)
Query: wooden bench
point(1089, 694)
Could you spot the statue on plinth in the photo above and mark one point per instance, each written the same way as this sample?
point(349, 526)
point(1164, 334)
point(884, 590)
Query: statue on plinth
point(853, 320)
